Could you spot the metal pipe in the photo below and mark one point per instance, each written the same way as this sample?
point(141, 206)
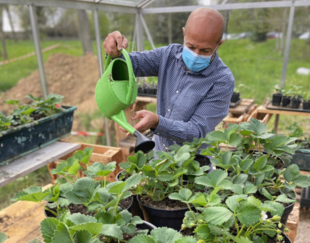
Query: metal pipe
point(37, 46)
point(139, 29)
point(288, 43)
point(100, 62)
point(147, 31)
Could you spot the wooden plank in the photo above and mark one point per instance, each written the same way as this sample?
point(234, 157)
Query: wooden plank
point(21, 221)
point(263, 109)
point(146, 99)
point(34, 161)
point(243, 107)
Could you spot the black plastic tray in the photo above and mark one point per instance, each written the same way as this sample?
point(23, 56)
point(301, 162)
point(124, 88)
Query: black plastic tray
point(272, 107)
point(27, 138)
point(234, 104)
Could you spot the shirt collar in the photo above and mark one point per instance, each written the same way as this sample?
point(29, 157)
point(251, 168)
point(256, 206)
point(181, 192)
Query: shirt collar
point(207, 71)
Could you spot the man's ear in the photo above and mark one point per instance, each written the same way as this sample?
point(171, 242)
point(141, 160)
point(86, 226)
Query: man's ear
point(221, 42)
point(183, 29)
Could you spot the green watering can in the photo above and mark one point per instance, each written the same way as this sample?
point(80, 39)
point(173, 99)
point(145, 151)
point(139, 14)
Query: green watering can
point(115, 91)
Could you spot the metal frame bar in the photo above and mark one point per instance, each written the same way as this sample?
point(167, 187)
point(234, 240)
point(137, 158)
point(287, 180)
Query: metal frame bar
point(37, 45)
point(147, 31)
point(288, 43)
point(139, 33)
point(74, 5)
point(100, 63)
point(230, 6)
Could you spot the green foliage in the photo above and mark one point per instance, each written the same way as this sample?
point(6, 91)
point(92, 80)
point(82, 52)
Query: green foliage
point(3, 237)
point(46, 107)
point(162, 235)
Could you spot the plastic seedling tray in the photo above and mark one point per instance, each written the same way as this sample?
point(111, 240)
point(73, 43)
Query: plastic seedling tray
point(22, 140)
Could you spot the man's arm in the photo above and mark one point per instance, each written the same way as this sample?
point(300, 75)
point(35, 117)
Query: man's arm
point(208, 114)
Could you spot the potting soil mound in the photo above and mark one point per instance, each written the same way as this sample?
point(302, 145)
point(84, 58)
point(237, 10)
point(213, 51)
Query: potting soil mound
point(73, 77)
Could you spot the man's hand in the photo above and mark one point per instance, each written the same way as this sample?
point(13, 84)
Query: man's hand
point(114, 43)
point(147, 120)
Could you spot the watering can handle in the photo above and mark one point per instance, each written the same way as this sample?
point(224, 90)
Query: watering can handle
point(130, 73)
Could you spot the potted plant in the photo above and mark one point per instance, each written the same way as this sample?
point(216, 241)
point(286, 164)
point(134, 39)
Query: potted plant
point(286, 98)
point(296, 97)
point(302, 154)
point(306, 101)
point(30, 127)
point(277, 96)
point(236, 94)
point(160, 177)
point(259, 157)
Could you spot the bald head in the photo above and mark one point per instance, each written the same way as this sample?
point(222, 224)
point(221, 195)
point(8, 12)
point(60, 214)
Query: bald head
point(206, 23)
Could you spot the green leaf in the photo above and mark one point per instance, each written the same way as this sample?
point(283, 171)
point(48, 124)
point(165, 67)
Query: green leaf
point(117, 188)
point(216, 136)
point(254, 201)
point(62, 234)
point(48, 227)
point(124, 165)
point(246, 164)
point(233, 201)
point(267, 194)
point(164, 235)
point(204, 233)
point(235, 139)
point(260, 163)
point(302, 181)
point(142, 239)
point(3, 237)
point(183, 154)
point(132, 181)
point(250, 189)
point(283, 198)
point(93, 228)
point(240, 179)
point(198, 198)
point(78, 218)
point(186, 239)
point(165, 176)
point(84, 187)
point(74, 169)
point(112, 230)
point(84, 237)
point(291, 173)
point(183, 195)
point(249, 215)
point(278, 207)
point(216, 215)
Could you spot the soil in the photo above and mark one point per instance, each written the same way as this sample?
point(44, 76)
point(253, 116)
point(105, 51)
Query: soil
point(187, 232)
point(202, 160)
point(165, 204)
point(73, 77)
point(126, 203)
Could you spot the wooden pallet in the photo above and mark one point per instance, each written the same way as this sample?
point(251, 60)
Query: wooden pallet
point(261, 116)
point(102, 154)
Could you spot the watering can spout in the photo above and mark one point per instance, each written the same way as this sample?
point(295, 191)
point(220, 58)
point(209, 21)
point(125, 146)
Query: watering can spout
point(115, 91)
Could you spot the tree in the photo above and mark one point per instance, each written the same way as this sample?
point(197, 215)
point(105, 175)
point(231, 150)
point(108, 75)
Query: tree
point(84, 32)
point(5, 55)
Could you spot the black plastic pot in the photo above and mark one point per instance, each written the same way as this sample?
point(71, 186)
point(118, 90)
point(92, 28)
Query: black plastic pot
point(302, 159)
point(285, 239)
point(148, 90)
point(276, 99)
point(286, 213)
point(163, 218)
point(286, 100)
point(295, 103)
point(141, 90)
point(306, 105)
point(235, 97)
point(27, 138)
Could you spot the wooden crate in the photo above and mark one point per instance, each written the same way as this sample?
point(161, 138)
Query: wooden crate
point(235, 118)
point(292, 222)
point(262, 117)
point(102, 154)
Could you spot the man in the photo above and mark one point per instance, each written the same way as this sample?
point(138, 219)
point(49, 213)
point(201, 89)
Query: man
point(194, 85)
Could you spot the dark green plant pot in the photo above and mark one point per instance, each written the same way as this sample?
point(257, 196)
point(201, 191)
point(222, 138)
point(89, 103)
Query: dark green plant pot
point(306, 105)
point(286, 100)
point(235, 97)
point(295, 103)
point(25, 139)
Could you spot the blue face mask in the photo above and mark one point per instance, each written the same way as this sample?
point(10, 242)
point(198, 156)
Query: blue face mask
point(195, 62)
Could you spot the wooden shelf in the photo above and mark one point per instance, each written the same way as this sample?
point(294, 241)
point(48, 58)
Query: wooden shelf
point(263, 109)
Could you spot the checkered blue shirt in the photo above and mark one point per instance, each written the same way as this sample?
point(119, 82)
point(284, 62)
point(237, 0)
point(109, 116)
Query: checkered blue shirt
point(189, 104)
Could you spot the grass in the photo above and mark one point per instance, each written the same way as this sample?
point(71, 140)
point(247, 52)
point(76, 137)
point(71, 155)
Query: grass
point(257, 65)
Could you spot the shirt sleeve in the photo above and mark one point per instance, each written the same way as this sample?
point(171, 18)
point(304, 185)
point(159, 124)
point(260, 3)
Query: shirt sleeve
point(147, 63)
point(208, 114)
